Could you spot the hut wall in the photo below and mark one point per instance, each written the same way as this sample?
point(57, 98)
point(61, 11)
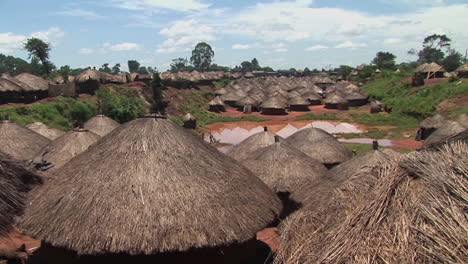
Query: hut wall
point(65, 89)
point(299, 108)
point(217, 108)
point(10, 97)
point(88, 87)
point(22, 97)
point(231, 103)
point(315, 102)
point(463, 74)
point(331, 106)
point(274, 111)
point(343, 106)
point(357, 102)
point(190, 124)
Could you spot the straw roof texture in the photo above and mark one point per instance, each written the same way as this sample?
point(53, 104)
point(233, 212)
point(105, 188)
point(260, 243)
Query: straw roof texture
point(450, 128)
point(24, 86)
point(161, 188)
point(189, 117)
point(410, 211)
point(463, 68)
point(436, 121)
point(430, 67)
point(255, 142)
point(320, 145)
point(463, 120)
point(217, 101)
point(274, 103)
point(89, 74)
point(283, 168)
point(101, 125)
point(298, 101)
point(247, 100)
point(335, 99)
point(9, 86)
point(66, 147)
point(20, 142)
point(36, 82)
point(45, 130)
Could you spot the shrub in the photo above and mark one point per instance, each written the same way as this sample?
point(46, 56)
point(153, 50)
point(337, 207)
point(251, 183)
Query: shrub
point(121, 106)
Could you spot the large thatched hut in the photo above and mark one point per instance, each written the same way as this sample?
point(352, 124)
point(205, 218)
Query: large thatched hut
point(429, 125)
point(430, 70)
point(356, 99)
point(45, 130)
point(88, 81)
point(298, 103)
point(230, 98)
point(274, 106)
point(335, 101)
point(462, 71)
point(321, 146)
point(313, 98)
point(449, 129)
point(10, 92)
point(101, 125)
point(251, 144)
point(37, 83)
point(410, 211)
point(20, 142)
point(217, 105)
point(66, 147)
point(163, 190)
point(247, 103)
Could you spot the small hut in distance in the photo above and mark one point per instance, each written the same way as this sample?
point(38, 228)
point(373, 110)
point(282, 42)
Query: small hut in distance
point(216, 105)
point(190, 121)
point(101, 125)
point(430, 70)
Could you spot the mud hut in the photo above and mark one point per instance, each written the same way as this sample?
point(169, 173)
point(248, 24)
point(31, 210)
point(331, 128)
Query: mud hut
point(20, 142)
point(190, 121)
point(449, 129)
point(152, 176)
point(430, 70)
point(462, 71)
point(253, 143)
point(356, 99)
point(220, 91)
point(216, 105)
point(313, 98)
point(66, 147)
point(335, 101)
point(247, 104)
point(45, 130)
point(321, 146)
point(101, 125)
point(299, 103)
point(230, 98)
point(274, 106)
point(376, 106)
point(429, 125)
point(36, 82)
point(10, 92)
point(88, 81)
point(409, 211)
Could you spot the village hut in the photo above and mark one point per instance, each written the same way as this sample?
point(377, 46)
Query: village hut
point(462, 71)
point(429, 125)
point(190, 121)
point(152, 176)
point(20, 142)
point(249, 75)
point(216, 105)
point(356, 99)
point(101, 125)
point(321, 146)
point(220, 91)
point(230, 98)
point(251, 144)
point(247, 104)
point(445, 132)
point(409, 211)
point(430, 70)
point(274, 106)
point(88, 81)
point(463, 120)
point(63, 149)
point(313, 98)
point(376, 106)
point(36, 82)
point(45, 130)
point(10, 92)
point(335, 101)
point(298, 103)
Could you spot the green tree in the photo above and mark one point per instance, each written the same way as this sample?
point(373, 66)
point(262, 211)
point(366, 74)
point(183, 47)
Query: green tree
point(81, 112)
point(246, 66)
point(122, 107)
point(432, 50)
point(452, 61)
point(143, 70)
point(133, 66)
point(151, 70)
point(14, 65)
point(178, 64)
point(116, 69)
point(39, 49)
point(255, 64)
point(306, 70)
point(105, 68)
point(344, 70)
point(64, 71)
point(202, 56)
point(384, 60)
point(157, 86)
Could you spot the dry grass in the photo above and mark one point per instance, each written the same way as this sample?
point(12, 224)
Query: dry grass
point(251, 144)
point(45, 130)
point(411, 211)
point(101, 125)
point(19, 142)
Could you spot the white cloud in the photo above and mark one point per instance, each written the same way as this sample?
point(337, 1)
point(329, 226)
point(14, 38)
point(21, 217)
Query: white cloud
point(350, 45)
point(176, 5)
point(125, 46)
point(240, 46)
point(316, 47)
point(390, 41)
point(86, 51)
point(78, 12)
point(10, 42)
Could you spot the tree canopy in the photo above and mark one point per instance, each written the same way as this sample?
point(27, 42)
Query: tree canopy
point(202, 56)
point(40, 50)
point(133, 66)
point(384, 60)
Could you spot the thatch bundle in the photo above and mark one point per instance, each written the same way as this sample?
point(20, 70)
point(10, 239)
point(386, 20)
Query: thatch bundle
point(101, 125)
point(14, 179)
point(66, 147)
point(320, 145)
point(161, 188)
point(45, 130)
point(283, 168)
point(19, 142)
point(36, 82)
point(411, 211)
point(255, 142)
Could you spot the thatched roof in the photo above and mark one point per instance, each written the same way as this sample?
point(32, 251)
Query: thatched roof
point(430, 67)
point(247, 100)
point(220, 91)
point(36, 82)
point(45, 130)
point(298, 101)
point(161, 188)
point(24, 86)
point(335, 99)
point(14, 180)
point(410, 211)
point(101, 125)
point(320, 145)
point(251, 144)
point(230, 96)
point(463, 120)
point(189, 117)
point(19, 142)
point(450, 128)
point(463, 68)
point(9, 86)
point(217, 101)
point(274, 103)
point(283, 168)
point(66, 147)
point(434, 121)
point(89, 74)
point(355, 96)
point(311, 96)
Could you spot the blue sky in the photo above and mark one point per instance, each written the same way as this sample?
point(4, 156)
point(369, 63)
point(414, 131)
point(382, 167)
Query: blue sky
point(281, 34)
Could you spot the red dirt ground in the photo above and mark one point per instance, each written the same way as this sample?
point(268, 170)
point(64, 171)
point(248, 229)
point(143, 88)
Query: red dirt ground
point(270, 237)
point(15, 239)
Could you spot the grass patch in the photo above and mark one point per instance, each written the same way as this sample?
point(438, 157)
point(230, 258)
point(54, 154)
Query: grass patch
point(392, 119)
point(373, 133)
point(459, 111)
point(222, 83)
point(312, 116)
point(359, 148)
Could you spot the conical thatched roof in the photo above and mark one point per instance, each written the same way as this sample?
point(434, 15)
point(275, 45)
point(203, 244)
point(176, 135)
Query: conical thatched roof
point(220, 91)
point(217, 101)
point(320, 145)
point(161, 188)
point(19, 142)
point(14, 179)
point(189, 117)
point(24, 86)
point(298, 100)
point(274, 103)
point(66, 147)
point(283, 168)
point(251, 144)
point(36, 82)
point(230, 96)
point(410, 211)
point(9, 86)
point(247, 100)
point(89, 74)
point(101, 125)
point(430, 67)
point(450, 128)
point(463, 120)
point(45, 130)
point(335, 99)
point(433, 121)
point(355, 96)
point(463, 68)
point(311, 96)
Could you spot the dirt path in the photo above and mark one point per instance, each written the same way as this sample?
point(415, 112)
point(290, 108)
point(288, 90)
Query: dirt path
point(15, 239)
